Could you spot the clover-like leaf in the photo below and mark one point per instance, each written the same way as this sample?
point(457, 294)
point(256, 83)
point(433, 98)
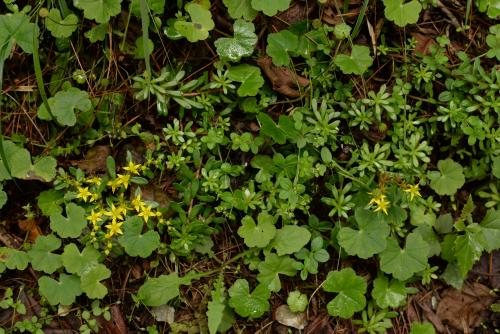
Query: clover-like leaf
point(257, 235)
point(402, 12)
point(250, 77)
point(13, 258)
point(160, 290)
point(41, 256)
point(91, 277)
point(388, 293)
point(59, 27)
point(201, 23)
point(369, 239)
point(240, 9)
point(350, 289)
point(70, 226)
point(449, 179)
point(403, 263)
point(356, 63)
point(17, 29)
point(76, 262)
point(64, 104)
point(246, 304)
point(290, 239)
point(135, 242)
point(62, 292)
point(279, 46)
point(99, 10)
point(270, 8)
point(241, 45)
point(272, 267)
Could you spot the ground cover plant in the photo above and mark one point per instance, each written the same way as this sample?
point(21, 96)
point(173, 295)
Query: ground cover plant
point(249, 166)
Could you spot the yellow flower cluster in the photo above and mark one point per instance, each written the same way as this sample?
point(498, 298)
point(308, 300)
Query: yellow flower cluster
point(379, 200)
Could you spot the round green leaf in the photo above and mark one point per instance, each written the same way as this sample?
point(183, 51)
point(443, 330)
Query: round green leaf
point(290, 239)
point(41, 256)
point(449, 179)
point(59, 27)
point(70, 226)
point(201, 23)
point(270, 8)
point(62, 292)
point(99, 10)
point(350, 289)
point(279, 45)
point(241, 45)
point(250, 78)
point(356, 63)
point(135, 242)
point(246, 304)
point(257, 235)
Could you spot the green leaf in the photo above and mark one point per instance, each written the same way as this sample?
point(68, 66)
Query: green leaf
point(64, 104)
point(45, 168)
point(449, 179)
point(357, 63)
point(403, 263)
point(402, 13)
point(422, 328)
point(136, 243)
point(158, 291)
point(350, 289)
point(18, 160)
point(62, 292)
point(219, 315)
point(79, 263)
point(13, 258)
point(290, 239)
point(272, 267)
point(240, 9)
point(99, 10)
point(250, 78)
point(468, 249)
point(493, 41)
point(3, 197)
point(154, 6)
point(41, 256)
point(279, 45)
point(490, 229)
point(495, 169)
point(296, 301)
point(70, 226)
point(139, 48)
point(59, 27)
point(249, 305)
point(270, 8)
point(388, 294)
point(270, 129)
point(201, 23)
point(49, 202)
point(91, 278)
point(241, 45)
point(257, 235)
point(16, 29)
point(369, 239)
point(97, 33)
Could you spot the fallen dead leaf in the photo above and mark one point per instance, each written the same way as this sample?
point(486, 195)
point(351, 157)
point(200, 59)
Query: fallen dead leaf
point(116, 325)
point(320, 325)
point(164, 313)
point(284, 316)
point(95, 159)
point(424, 42)
point(284, 81)
point(31, 227)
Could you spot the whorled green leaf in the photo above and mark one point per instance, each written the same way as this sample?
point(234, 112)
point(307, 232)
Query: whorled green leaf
point(201, 23)
point(260, 234)
point(290, 239)
point(59, 27)
point(17, 29)
point(357, 62)
point(238, 9)
point(41, 256)
point(272, 267)
point(240, 45)
point(279, 46)
point(402, 12)
point(99, 10)
point(135, 242)
point(250, 77)
point(403, 263)
point(70, 226)
point(62, 292)
point(249, 305)
point(350, 289)
point(270, 8)
point(449, 179)
point(160, 290)
point(64, 104)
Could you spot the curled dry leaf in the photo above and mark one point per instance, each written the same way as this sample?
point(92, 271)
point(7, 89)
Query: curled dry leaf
point(283, 80)
point(284, 316)
point(95, 159)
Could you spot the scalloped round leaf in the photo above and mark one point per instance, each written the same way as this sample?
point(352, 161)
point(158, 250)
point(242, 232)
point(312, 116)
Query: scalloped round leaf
point(201, 23)
point(91, 278)
point(240, 9)
point(13, 258)
point(271, 8)
point(70, 226)
point(290, 239)
point(16, 28)
point(402, 12)
point(77, 263)
point(279, 45)
point(41, 256)
point(350, 289)
point(357, 63)
point(250, 77)
point(64, 104)
point(100, 11)
point(59, 27)
point(272, 267)
point(135, 242)
point(449, 179)
point(249, 305)
point(62, 292)
point(160, 290)
point(45, 168)
point(388, 294)
point(240, 45)
point(257, 235)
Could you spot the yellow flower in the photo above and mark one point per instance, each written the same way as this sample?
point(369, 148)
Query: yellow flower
point(133, 168)
point(84, 193)
point(94, 180)
point(94, 217)
point(114, 228)
point(94, 197)
point(115, 212)
point(146, 212)
point(382, 204)
point(123, 180)
point(113, 184)
point(138, 203)
point(413, 190)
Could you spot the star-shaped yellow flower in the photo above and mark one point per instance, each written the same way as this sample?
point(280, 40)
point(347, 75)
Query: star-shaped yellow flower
point(115, 212)
point(114, 228)
point(123, 180)
point(94, 217)
point(133, 168)
point(146, 212)
point(413, 190)
point(138, 203)
point(114, 184)
point(382, 204)
point(84, 193)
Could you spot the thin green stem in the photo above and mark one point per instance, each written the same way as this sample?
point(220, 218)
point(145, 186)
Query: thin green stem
point(38, 73)
point(145, 34)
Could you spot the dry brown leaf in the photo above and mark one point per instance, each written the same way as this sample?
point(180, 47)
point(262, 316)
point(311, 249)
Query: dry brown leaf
point(284, 81)
point(31, 227)
point(95, 159)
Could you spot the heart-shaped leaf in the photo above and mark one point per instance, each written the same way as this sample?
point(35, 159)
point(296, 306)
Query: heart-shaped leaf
point(59, 27)
point(241, 45)
point(70, 226)
point(357, 62)
point(135, 242)
point(449, 179)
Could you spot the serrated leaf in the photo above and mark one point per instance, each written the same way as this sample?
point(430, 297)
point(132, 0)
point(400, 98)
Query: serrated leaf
point(270, 8)
point(290, 239)
point(490, 229)
point(241, 45)
point(49, 202)
point(13, 258)
point(257, 235)
point(369, 239)
point(250, 78)
point(388, 293)
point(70, 226)
point(45, 168)
point(249, 305)
point(296, 301)
point(62, 292)
point(357, 62)
point(402, 13)
point(403, 263)
point(201, 23)
point(240, 9)
point(75, 262)
point(160, 290)
point(41, 256)
point(449, 179)
point(64, 104)
point(101, 10)
point(135, 242)
point(350, 289)
point(91, 277)
point(59, 27)
point(272, 267)
point(280, 44)
point(17, 29)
